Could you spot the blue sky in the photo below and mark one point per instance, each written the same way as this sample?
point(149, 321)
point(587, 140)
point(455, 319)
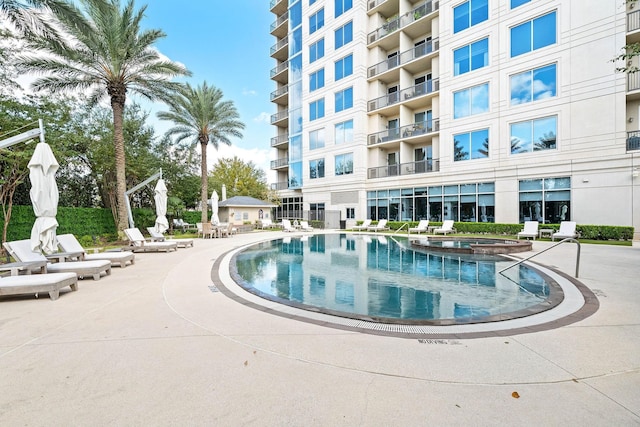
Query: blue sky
point(226, 44)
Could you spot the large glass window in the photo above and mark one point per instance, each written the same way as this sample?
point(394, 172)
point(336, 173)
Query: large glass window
point(533, 85)
point(343, 35)
point(533, 135)
point(470, 13)
point(341, 6)
point(344, 164)
point(316, 139)
point(316, 109)
point(295, 15)
point(344, 132)
point(344, 99)
point(471, 57)
point(471, 145)
point(316, 80)
point(545, 200)
point(316, 50)
point(474, 100)
point(316, 21)
point(344, 67)
point(516, 3)
point(316, 168)
point(534, 34)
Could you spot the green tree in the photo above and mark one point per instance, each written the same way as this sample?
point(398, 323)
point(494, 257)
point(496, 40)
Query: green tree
point(200, 115)
point(240, 178)
point(104, 51)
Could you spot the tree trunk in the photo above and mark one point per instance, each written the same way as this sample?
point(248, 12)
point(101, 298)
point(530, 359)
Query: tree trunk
point(203, 181)
point(121, 219)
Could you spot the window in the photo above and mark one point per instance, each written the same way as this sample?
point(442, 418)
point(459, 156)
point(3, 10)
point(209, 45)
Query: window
point(316, 109)
point(533, 135)
point(545, 200)
point(534, 34)
point(344, 132)
point(316, 80)
point(316, 168)
point(295, 41)
point(344, 67)
point(344, 164)
point(468, 102)
point(343, 35)
point(316, 50)
point(341, 6)
point(351, 213)
point(533, 85)
point(344, 99)
point(471, 145)
point(295, 14)
point(316, 21)
point(470, 13)
point(516, 3)
point(471, 57)
point(316, 139)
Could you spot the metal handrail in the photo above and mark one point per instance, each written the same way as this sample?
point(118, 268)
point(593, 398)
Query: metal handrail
point(568, 239)
point(401, 227)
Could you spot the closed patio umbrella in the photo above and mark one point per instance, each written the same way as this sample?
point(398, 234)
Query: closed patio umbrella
point(160, 196)
point(215, 220)
point(44, 197)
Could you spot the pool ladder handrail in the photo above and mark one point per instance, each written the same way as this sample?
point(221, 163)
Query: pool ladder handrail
point(568, 239)
point(401, 227)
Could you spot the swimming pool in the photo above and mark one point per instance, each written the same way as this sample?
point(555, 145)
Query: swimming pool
point(381, 278)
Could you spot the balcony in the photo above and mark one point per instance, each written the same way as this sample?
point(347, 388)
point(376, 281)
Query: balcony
point(399, 22)
point(411, 168)
point(280, 73)
point(280, 119)
point(278, 6)
point(633, 140)
point(280, 50)
point(404, 132)
point(410, 93)
point(633, 21)
point(405, 57)
point(280, 185)
point(279, 27)
point(279, 140)
point(280, 163)
point(279, 96)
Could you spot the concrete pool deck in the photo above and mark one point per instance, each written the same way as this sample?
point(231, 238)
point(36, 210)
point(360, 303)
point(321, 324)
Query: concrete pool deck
point(156, 344)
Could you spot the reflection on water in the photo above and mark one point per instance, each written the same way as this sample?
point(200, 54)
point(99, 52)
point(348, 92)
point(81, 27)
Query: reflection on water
point(383, 278)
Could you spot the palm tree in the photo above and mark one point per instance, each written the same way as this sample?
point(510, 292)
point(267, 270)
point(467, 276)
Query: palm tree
point(27, 15)
point(104, 53)
point(200, 114)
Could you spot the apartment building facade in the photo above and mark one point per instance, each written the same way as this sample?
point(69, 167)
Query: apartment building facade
point(480, 110)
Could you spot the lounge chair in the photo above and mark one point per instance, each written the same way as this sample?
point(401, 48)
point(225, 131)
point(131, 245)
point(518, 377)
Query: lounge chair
point(265, 223)
point(20, 250)
point(138, 243)
point(380, 226)
point(530, 230)
point(423, 227)
point(159, 237)
point(68, 243)
point(447, 227)
point(286, 226)
point(36, 283)
point(365, 224)
point(567, 231)
point(226, 230)
point(304, 226)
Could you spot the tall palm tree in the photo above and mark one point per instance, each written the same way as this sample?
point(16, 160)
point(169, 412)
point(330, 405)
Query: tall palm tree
point(104, 53)
point(200, 114)
point(27, 16)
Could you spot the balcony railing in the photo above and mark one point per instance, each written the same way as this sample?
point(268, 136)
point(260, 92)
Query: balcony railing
point(275, 164)
point(633, 140)
point(279, 116)
point(406, 56)
point(402, 21)
point(404, 132)
point(274, 2)
point(280, 185)
point(279, 45)
point(420, 89)
point(411, 168)
point(279, 21)
point(373, 3)
point(278, 93)
point(633, 21)
point(280, 68)
point(280, 139)
point(633, 81)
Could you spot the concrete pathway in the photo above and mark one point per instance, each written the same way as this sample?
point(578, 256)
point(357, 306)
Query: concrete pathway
point(156, 344)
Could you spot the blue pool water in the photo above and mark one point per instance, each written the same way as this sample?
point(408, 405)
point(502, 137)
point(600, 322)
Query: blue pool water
point(382, 278)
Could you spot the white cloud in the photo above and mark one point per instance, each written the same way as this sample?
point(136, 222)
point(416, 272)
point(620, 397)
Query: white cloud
point(259, 156)
point(249, 92)
point(263, 118)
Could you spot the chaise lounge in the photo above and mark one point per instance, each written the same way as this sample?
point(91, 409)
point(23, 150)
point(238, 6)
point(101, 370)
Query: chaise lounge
point(380, 226)
point(68, 243)
point(36, 283)
point(362, 227)
point(159, 237)
point(530, 230)
point(138, 243)
point(567, 231)
point(447, 227)
point(423, 227)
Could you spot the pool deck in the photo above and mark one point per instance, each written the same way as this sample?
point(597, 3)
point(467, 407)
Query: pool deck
point(156, 343)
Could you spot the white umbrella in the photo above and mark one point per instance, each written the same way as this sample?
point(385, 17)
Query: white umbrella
point(44, 197)
point(160, 197)
point(215, 220)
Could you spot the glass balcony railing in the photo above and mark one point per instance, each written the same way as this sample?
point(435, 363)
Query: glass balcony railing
point(279, 116)
point(280, 68)
point(396, 23)
point(280, 139)
point(280, 185)
point(411, 168)
point(404, 132)
point(420, 89)
point(278, 93)
point(279, 21)
point(405, 57)
point(276, 164)
point(279, 45)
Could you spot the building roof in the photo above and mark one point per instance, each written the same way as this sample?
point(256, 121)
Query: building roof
point(244, 201)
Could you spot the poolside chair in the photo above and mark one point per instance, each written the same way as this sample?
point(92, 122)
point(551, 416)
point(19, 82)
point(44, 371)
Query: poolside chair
point(159, 237)
point(304, 226)
point(20, 250)
point(380, 226)
point(567, 230)
point(447, 227)
point(226, 230)
point(286, 226)
point(68, 243)
point(36, 283)
point(138, 243)
point(365, 224)
point(423, 227)
point(530, 230)
point(265, 223)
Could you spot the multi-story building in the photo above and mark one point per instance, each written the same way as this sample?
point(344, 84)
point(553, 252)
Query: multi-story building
point(477, 110)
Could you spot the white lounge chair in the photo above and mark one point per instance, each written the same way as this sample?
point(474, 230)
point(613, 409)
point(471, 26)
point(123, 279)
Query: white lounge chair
point(380, 226)
point(447, 227)
point(159, 237)
point(36, 283)
point(265, 223)
point(530, 230)
point(20, 250)
point(68, 243)
point(304, 226)
point(567, 230)
point(365, 224)
point(286, 226)
point(138, 243)
point(423, 227)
